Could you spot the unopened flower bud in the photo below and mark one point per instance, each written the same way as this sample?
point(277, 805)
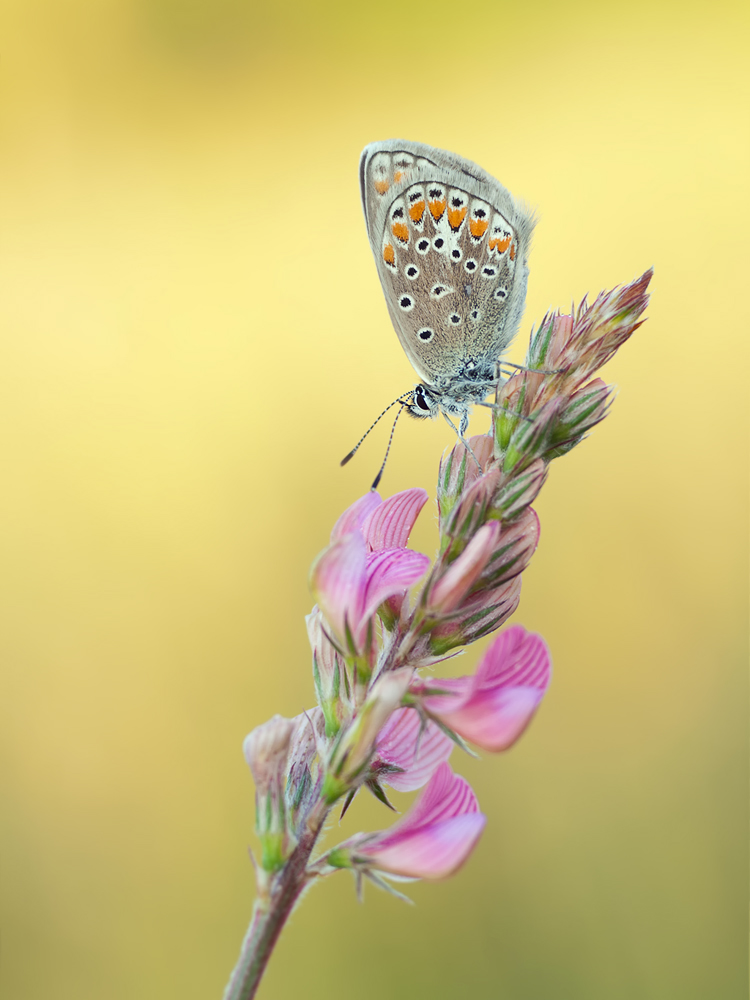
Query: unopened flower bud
point(266, 750)
point(463, 572)
point(585, 408)
point(578, 345)
point(532, 437)
point(458, 470)
point(478, 617)
point(513, 548)
point(470, 511)
point(303, 771)
point(519, 491)
point(548, 344)
point(355, 746)
point(328, 673)
point(516, 399)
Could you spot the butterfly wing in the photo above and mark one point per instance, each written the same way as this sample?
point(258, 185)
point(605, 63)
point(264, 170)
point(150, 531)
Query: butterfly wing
point(450, 244)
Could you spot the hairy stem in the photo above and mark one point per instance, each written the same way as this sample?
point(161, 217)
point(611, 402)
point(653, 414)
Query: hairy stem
point(271, 911)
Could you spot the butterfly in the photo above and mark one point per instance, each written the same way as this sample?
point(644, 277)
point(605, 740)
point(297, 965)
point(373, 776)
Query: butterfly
point(451, 246)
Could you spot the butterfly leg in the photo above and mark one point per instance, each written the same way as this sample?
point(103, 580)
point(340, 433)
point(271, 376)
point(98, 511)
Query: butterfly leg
point(501, 380)
point(513, 413)
point(522, 368)
point(460, 436)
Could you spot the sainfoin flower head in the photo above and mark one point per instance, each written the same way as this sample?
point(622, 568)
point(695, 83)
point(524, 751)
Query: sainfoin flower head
point(493, 707)
point(434, 838)
point(380, 720)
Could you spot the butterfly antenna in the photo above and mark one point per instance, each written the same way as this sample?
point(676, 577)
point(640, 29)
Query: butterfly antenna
point(354, 450)
point(387, 450)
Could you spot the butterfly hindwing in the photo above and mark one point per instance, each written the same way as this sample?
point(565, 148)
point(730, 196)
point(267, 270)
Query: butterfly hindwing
point(450, 243)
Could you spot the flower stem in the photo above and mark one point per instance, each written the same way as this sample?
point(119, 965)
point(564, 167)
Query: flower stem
point(271, 911)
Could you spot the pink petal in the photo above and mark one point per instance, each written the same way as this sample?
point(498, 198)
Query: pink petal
point(390, 571)
point(354, 517)
point(492, 708)
point(459, 690)
point(516, 658)
point(338, 580)
point(447, 795)
point(494, 721)
point(437, 834)
point(433, 852)
point(389, 525)
point(397, 742)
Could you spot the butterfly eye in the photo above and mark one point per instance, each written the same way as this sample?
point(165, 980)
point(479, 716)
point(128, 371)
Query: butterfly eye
point(489, 272)
point(426, 335)
point(423, 246)
point(471, 264)
point(438, 243)
point(406, 302)
point(419, 399)
point(456, 254)
point(455, 319)
point(412, 272)
point(500, 293)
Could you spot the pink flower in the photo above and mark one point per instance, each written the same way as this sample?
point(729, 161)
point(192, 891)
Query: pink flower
point(350, 585)
point(494, 706)
point(434, 838)
point(367, 564)
point(403, 743)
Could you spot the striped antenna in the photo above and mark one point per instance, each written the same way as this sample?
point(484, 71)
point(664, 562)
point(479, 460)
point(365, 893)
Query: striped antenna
point(354, 450)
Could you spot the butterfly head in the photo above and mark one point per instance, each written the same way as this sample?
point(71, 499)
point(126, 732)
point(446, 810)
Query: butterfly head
point(423, 403)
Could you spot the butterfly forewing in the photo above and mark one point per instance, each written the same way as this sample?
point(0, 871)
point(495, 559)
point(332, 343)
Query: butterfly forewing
point(450, 245)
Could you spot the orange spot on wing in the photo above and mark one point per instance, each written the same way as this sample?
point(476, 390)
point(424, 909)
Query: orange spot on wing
point(437, 208)
point(501, 244)
point(400, 231)
point(513, 252)
point(397, 176)
point(389, 255)
point(456, 216)
point(416, 211)
point(478, 227)
point(381, 186)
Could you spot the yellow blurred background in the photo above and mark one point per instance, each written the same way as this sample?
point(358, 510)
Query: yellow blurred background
point(193, 334)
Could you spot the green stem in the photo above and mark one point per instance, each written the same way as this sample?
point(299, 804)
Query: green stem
point(271, 911)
